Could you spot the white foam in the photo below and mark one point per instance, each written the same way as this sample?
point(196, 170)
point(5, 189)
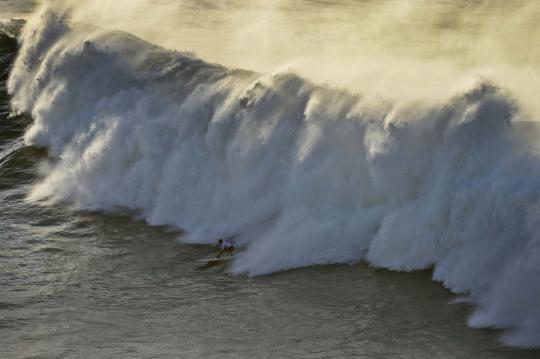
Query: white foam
point(300, 174)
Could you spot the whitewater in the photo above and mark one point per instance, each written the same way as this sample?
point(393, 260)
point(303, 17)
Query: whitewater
point(297, 172)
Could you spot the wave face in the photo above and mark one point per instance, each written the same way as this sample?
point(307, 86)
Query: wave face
point(300, 174)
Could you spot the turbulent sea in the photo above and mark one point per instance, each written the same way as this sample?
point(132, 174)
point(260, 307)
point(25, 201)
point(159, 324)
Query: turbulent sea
point(367, 226)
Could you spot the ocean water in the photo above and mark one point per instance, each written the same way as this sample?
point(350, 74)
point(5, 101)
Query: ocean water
point(372, 221)
point(16, 9)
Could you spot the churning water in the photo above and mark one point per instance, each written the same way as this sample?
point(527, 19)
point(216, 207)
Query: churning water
point(121, 159)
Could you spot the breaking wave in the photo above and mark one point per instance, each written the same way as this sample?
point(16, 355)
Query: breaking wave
point(299, 174)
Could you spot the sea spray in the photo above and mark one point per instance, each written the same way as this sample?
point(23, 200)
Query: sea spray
point(300, 174)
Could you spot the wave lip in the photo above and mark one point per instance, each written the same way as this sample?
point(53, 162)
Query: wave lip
point(300, 174)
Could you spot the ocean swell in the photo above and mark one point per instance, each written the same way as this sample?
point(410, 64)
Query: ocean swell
point(299, 174)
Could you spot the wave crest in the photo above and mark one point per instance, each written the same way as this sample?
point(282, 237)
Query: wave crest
point(300, 174)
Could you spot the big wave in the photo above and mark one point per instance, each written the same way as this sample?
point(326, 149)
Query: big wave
point(299, 174)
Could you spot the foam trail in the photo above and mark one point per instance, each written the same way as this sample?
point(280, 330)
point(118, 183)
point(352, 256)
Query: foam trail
point(300, 174)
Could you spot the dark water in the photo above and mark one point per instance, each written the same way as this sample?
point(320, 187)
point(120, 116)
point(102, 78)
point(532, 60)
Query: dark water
point(94, 285)
point(83, 285)
point(99, 286)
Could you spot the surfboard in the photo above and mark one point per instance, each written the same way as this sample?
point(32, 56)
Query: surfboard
point(215, 260)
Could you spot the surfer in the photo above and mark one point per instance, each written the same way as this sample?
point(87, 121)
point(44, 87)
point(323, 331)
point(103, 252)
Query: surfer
point(225, 246)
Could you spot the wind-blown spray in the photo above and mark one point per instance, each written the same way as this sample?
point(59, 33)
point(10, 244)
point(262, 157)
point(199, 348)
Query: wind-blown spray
point(301, 174)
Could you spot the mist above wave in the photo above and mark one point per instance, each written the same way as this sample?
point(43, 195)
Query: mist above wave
point(300, 174)
point(399, 50)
